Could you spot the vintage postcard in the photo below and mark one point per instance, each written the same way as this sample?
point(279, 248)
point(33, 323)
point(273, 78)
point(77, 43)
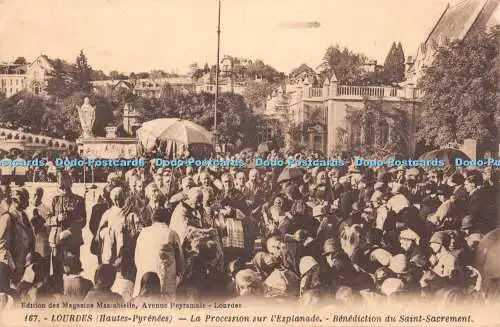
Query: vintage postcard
point(249, 163)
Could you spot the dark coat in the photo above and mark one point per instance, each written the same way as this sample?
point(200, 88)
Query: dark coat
point(428, 206)
point(95, 217)
point(72, 208)
point(479, 207)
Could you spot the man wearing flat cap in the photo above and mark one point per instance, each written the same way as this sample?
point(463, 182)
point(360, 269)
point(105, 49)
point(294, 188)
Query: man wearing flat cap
point(411, 244)
point(442, 261)
point(339, 269)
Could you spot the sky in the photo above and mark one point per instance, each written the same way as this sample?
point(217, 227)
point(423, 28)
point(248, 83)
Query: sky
point(142, 35)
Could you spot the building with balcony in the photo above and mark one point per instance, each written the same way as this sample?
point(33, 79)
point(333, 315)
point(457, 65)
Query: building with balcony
point(321, 113)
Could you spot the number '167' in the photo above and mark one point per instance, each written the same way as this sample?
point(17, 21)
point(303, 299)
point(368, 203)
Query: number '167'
point(31, 318)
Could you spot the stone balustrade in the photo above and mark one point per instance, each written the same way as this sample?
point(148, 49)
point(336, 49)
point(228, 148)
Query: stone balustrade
point(353, 92)
point(315, 92)
point(15, 139)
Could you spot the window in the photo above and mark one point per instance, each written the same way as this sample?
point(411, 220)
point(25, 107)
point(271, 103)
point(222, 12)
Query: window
point(36, 88)
point(383, 132)
point(355, 135)
point(318, 142)
point(368, 135)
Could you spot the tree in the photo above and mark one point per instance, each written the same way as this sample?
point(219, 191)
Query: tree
point(98, 75)
point(460, 90)
point(394, 64)
point(302, 69)
point(67, 116)
point(346, 64)
point(23, 110)
point(198, 74)
point(236, 122)
point(121, 96)
point(82, 74)
point(142, 75)
point(114, 74)
point(378, 129)
point(60, 83)
point(195, 71)
point(401, 62)
point(193, 67)
point(259, 69)
point(313, 116)
point(20, 61)
point(256, 93)
point(157, 74)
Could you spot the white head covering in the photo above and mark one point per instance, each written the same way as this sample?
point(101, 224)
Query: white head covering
point(410, 235)
point(382, 256)
point(306, 263)
point(392, 285)
point(282, 283)
point(398, 202)
point(399, 264)
point(376, 196)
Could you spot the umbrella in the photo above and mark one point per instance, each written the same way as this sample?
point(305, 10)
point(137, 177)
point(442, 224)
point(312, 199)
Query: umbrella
point(173, 133)
point(447, 155)
point(266, 147)
point(487, 260)
point(289, 173)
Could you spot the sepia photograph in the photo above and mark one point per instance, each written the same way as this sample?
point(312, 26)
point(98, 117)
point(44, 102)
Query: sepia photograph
point(249, 163)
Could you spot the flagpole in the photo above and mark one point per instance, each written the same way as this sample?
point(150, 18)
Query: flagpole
point(217, 72)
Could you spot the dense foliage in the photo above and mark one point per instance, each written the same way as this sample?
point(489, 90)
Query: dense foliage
point(461, 91)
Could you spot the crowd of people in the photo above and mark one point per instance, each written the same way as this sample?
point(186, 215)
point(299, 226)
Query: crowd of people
point(300, 236)
point(48, 173)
